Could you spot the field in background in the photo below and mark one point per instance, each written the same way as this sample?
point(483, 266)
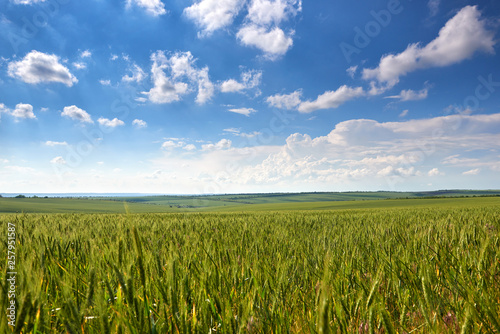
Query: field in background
point(241, 202)
point(394, 266)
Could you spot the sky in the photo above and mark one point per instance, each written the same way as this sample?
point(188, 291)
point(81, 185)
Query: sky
point(245, 96)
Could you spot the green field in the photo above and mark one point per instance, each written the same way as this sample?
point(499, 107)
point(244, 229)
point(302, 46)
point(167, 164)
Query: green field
point(241, 202)
point(374, 266)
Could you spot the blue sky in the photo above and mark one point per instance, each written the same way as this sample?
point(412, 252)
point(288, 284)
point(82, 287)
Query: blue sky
point(230, 96)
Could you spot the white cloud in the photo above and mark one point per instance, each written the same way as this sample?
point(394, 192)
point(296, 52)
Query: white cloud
point(250, 134)
point(388, 152)
point(237, 132)
point(180, 67)
point(26, 2)
point(21, 169)
point(262, 28)
point(58, 161)
point(137, 74)
point(472, 172)
point(457, 160)
point(404, 113)
point(433, 6)
point(56, 143)
point(86, 54)
point(23, 110)
point(234, 131)
point(265, 12)
point(205, 86)
point(249, 79)
point(273, 41)
point(110, 123)
point(3, 108)
point(76, 113)
point(139, 123)
point(79, 65)
point(285, 101)
point(351, 71)
point(105, 82)
point(460, 38)
point(243, 111)
point(410, 95)
point(37, 67)
point(231, 85)
point(153, 7)
point(189, 147)
point(211, 15)
point(434, 172)
point(172, 143)
point(222, 144)
point(331, 99)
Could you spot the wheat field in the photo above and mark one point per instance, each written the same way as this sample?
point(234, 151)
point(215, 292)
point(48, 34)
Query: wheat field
point(400, 270)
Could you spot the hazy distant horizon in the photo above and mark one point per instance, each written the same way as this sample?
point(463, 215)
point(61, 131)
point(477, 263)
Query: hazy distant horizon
point(9, 195)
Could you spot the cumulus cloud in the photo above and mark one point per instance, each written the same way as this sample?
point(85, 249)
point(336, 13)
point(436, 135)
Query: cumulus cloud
point(461, 37)
point(79, 65)
point(110, 123)
point(274, 42)
point(137, 74)
point(331, 99)
point(4, 109)
point(262, 28)
point(37, 67)
point(434, 172)
point(243, 111)
point(410, 95)
point(139, 123)
point(211, 15)
point(152, 7)
point(249, 79)
point(371, 150)
point(58, 161)
point(173, 143)
point(327, 100)
point(222, 144)
point(189, 147)
point(266, 12)
point(169, 144)
point(176, 75)
point(85, 54)
point(77, 114)
point(285, 101)
point(105, 82)
point(23, 110)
